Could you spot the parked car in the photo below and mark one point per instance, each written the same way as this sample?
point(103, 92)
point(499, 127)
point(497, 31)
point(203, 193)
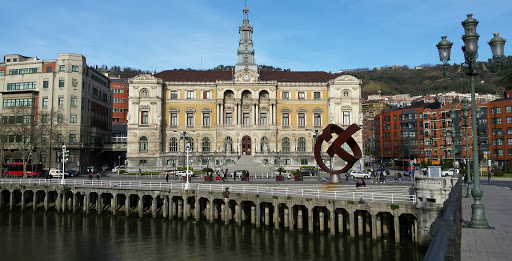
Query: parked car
point(182, 173)
point(307, 172)
point(105, 167)
point(72, 173)
point(359, 174)
point(449, 172)
point(116, 169)
point(57, 173)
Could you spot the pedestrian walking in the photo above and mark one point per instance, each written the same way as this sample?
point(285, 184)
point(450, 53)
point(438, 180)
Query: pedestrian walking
point(140, 172)
point(399, 177)
point(167, 176)
point(90, 174)
point(289, 175)
point(98, 176)
point(396, 176)
point(248, 176)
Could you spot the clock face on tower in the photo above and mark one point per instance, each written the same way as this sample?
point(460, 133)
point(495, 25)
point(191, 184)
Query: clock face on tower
point(246, 77)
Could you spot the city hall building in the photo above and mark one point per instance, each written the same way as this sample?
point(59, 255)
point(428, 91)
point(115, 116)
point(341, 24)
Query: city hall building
point(271, 116)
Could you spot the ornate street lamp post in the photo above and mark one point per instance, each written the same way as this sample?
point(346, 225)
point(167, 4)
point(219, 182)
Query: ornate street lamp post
point(470, 49)
point(465, 115)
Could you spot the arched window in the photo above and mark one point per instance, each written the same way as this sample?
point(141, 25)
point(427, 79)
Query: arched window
point(264, 144)
point(301, 146)
point(173, 144)
point(206, 144)
point(286, 144)
point(143, 144)
point(229, 144)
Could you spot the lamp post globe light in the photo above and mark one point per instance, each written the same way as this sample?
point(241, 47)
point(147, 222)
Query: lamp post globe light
point(470, 49)
point(465, 115)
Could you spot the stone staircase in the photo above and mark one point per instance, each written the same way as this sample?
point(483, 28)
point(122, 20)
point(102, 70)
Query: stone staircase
point(247, 162)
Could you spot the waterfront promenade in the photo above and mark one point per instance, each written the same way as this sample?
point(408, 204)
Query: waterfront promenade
point(489, 244)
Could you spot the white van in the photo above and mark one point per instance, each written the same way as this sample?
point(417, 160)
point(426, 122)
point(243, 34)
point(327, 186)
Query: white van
point(57, 173)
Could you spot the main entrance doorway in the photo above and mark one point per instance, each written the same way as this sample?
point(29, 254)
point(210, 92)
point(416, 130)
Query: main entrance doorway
point(246, 145)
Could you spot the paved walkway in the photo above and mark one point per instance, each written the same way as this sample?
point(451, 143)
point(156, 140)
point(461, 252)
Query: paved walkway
point(489, 244)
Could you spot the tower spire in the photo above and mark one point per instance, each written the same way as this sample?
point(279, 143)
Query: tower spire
point(245, 52)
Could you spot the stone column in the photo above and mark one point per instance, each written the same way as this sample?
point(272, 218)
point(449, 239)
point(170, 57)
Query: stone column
point(207, 212)
point(310, 220)
point(276, 216)
point(188, 209)
point(267, 216)
point(141, 206)
point(180, 208)
point(197, 210)
point(113, 204)
point(321, 220)
point(99, 204)
point(258, 215)
point(153, 207)
point(378, 225)
point(238, 214)
point(352, 224)
point(374, 226)
point(290, 216)
point(360, 223)
point(242, 212)
point(253, 215)
point(300, 222)
point(75, 202)
point(86, 207)
point(222, 212)
point(165, 208)
point(286, 218)
point(127, 205)
point(172, 208)
point(415, 231)
point(332, 222)
point(57, 203)
point(341, 225)
point(229, 212)
point(22, 200)
point(34, 201)
point(11, 200)
point(397, 228)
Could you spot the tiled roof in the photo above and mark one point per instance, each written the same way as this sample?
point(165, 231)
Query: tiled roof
point(212, 76)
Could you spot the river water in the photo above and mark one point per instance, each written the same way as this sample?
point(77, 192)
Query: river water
point(56, 236)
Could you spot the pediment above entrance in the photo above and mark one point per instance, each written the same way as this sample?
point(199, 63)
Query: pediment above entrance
point(246, 76)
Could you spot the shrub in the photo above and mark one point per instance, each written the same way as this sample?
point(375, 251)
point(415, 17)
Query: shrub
point(121, 172)
point(394, 206)
point(350, 202)
point(497, 173)
point(280, 170)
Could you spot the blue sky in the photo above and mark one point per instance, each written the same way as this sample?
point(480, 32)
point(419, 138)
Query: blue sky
point(301, 35)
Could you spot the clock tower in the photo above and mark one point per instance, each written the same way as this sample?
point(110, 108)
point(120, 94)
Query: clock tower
point(245, 52)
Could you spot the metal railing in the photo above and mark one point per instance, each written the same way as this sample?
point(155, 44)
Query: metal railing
point(237, 188)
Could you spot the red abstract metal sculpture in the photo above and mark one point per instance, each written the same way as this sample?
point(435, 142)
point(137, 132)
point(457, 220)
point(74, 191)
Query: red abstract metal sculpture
point(344, 136)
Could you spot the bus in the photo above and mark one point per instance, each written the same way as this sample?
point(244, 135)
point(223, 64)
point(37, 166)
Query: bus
point(16, 169)
point(402, 164)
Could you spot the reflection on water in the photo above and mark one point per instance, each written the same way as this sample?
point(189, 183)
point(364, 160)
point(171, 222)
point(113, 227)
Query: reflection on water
point(56, 236)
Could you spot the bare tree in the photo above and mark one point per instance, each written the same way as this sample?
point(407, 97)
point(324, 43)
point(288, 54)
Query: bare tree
point(28, 129)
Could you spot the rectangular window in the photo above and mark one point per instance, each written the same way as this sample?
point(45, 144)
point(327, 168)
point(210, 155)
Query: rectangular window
point(59, 138)
point(346, 117)
point(190, 119)
point(318, 119)
point(94, 91)
point(74, 68)
point(246, 119)
point(190, 94)
point(24, 71)
point(302, 119)
point(174, 119)
point(286, 120)
point(72, 137)
point(1, 73)
point(45, 102)
point(302, 95)
point(303, 162)
point(498, 110)
point(32, 70)
point(206, 119)
point(508, 109)
point(72, 119)
point(60, 101)
point(61, 83)
point(206, 94)
point(286, 95)
point(287, 162)
point(316, 95)
point(509, 119)
point(229, 119)
point(62, 68)
point(74, 101)
point(174, 94)
point(144, 117)
point(21, 86)
point(49, 69)
point(60, 118)
point(143, 162)
point(263, 119)
point(71, 158)
point(45, 84)
point(13, 71)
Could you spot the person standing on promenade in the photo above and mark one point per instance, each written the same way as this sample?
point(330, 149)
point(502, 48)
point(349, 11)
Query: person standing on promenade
point(140, 172)
point(167, 176)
